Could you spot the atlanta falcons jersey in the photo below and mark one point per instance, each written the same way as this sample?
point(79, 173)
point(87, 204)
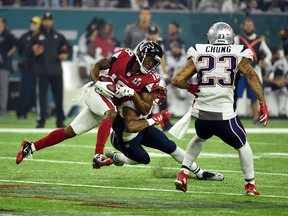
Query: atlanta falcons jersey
point(217, 73)
point(120, 71)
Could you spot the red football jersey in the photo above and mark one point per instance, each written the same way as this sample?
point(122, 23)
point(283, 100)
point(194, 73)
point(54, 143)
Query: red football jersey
point(122, 74)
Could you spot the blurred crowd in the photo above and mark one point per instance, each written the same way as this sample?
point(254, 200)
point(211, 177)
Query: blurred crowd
point(247, 6)
point(98, 41)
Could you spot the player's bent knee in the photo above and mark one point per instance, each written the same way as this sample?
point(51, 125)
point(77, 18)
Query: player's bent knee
point(110, 115)
point(69, 132)
point(142, 160)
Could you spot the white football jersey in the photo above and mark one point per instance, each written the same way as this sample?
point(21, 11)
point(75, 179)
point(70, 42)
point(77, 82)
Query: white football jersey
point(217, 74)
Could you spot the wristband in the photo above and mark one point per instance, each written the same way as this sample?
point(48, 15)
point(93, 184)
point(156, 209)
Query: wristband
point(150, 121)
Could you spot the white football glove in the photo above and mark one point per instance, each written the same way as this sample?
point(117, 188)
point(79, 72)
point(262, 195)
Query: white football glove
point(101, 88)
point(124, 91)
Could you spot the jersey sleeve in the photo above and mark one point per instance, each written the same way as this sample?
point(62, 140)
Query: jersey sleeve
point(192, 52)
point(247, 53)
point(152, 81)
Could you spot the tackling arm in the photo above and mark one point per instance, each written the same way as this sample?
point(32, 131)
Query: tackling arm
point(143, 102)
point(132, 124)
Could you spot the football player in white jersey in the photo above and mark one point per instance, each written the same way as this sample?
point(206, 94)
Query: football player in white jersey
point(219, 65)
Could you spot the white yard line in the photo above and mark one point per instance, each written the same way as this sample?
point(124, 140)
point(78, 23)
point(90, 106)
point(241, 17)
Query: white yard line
point(129, 188)
point(132, 166)
point(190, 130)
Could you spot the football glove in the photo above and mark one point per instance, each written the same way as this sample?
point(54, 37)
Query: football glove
point(124, 91)
point(166, 115)
point(264, 113)
point(101, 88)
point(161, 117)
point(193, 88)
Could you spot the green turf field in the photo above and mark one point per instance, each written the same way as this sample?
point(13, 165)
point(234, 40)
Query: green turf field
point(60, 180)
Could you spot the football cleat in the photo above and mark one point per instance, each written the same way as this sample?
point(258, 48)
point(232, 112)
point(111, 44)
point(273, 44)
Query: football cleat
point(181, 181)
point(100, 160)
point(111, 154)
point(251, 190)
point(213, 176)
point(25, 151)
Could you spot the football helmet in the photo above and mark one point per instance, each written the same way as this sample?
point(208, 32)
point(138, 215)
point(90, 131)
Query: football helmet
point(220, 33)
point(149, 48)
point(161, 91)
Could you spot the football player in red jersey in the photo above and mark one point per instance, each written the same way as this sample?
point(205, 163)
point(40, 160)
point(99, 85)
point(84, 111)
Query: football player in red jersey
point(131, 72)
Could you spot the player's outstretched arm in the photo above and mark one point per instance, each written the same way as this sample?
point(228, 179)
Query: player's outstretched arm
point(252, 78)
point(183, 74)
point(102, 64)
point(256, 85)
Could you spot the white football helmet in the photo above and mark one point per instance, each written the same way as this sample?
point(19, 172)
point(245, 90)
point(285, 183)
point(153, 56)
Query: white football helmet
point(220, 33)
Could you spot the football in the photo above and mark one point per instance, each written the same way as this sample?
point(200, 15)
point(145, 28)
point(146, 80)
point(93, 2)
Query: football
point(106, 78)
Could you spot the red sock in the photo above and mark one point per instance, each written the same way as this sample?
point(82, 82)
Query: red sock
point(52, 138)
point(102, 136)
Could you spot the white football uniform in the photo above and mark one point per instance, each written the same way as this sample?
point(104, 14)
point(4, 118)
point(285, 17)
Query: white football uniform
point(217, 73)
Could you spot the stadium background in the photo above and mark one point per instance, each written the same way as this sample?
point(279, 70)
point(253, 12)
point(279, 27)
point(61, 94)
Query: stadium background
point(72, 23)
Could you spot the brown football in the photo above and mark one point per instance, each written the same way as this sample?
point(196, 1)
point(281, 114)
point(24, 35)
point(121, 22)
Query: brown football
point(106, 78)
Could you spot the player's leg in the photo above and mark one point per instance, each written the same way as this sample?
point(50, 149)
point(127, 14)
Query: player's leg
point(104, 130)
point(101, 106)
point(232, 132)
point(155, 138)
point(118, 158)
point(192, 151)
point(85, 121)
point(132, 149)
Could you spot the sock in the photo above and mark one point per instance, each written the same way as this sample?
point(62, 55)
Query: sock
point(102, 136)
point(185, 169)
point(122, 158)
point(196, 170)
point(52, 138)
point(246, 162)
point(178, 154)
point(193, 150)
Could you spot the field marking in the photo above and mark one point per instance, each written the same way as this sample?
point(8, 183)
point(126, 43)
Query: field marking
point(190, 130)
point(134, 166)
point(130, 188)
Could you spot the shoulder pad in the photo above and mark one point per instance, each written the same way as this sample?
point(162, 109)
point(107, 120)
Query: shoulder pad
point(191, 52)
point(247, 53)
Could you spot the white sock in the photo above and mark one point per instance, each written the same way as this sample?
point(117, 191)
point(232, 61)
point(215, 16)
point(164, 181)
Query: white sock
point(33, 147)
point(196, 170)
point(193, 150)
point(246, 163)
point(178, 154)
point(122, 158)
